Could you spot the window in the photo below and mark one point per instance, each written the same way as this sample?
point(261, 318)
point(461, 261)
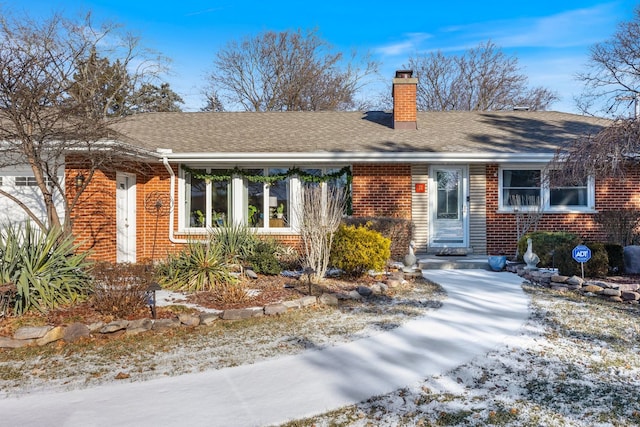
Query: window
point(528, 188)
point(26, 181)
point(206, 202)
point(245, 197)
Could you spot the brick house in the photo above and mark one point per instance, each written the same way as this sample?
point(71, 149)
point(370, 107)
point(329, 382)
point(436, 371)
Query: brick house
point(454, 174)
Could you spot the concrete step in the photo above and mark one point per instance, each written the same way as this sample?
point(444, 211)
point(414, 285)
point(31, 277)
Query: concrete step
point(434, 262)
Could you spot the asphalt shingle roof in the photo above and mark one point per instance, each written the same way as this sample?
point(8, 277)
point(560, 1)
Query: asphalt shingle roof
point(367, 132)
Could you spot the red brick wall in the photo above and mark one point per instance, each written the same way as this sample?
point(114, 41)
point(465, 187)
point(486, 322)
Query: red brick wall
point(381, 190)
point(404, 102)
point(610, 195)
point(94, 219)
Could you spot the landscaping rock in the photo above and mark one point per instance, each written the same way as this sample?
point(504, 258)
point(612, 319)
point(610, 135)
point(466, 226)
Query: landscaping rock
point(308, 301)
point(575, 281)
point(6, 342)
point(611, 292)
point(559, 287)
point(630, 296)
point(75, 332)
point(557, 278)
point(594, 289)
point(164, 324)
point(31, 332)
point(189, 319)
point(115, 326)
point(209, 318)
point(394, 283)
point(139, 326)
point(250, 273)
point(328, 299)
point(615, 299)
point(95, 327)
point(364, 291)
point(54, 334)
point(292, 304)
point(273, 309)
point(237, 314)
point(631, 256)
point(353, 295)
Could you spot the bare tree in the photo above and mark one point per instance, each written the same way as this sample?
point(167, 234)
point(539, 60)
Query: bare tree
point(605, 154)
point(288, 71)
point(481, 79)
point(48, 112)
point(612, 78)
point(319, 218)
point(529, 211)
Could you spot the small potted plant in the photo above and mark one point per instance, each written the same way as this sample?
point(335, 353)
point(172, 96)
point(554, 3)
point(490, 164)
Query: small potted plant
point(280, 211)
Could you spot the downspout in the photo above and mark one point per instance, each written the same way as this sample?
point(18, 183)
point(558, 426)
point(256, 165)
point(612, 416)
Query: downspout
point(172, 189)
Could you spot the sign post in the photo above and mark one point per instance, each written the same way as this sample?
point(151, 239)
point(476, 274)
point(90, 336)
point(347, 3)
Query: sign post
point(581, 254)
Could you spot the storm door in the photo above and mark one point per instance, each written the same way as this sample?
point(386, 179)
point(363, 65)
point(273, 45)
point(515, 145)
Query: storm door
point(448, 207)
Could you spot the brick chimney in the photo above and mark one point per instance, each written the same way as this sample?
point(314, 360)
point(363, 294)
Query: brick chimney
point(405, 107)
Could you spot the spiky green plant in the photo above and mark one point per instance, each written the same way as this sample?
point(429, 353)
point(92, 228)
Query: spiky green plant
point(236, 241)
point(46, 268)
point(201, 266)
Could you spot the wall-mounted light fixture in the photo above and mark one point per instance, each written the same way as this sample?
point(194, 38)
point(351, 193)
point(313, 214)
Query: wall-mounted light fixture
point(79, 180)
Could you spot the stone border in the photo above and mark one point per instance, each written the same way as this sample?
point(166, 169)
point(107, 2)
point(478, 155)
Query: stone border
point(43, 335)
point(616, 292)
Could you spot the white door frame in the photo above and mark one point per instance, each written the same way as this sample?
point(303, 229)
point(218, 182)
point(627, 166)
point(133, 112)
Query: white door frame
point(125, 217)
point(462, 238)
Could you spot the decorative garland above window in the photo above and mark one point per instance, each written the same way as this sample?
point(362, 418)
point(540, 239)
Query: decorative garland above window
point(229, 173)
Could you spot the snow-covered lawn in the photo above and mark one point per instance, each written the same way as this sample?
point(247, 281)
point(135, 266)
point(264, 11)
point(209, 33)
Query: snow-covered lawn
point(576, 363)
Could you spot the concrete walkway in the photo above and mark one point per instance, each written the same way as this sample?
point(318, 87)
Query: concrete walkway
point(482, 309)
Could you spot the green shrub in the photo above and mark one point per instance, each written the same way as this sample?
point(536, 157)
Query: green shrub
point(615, 253)
point(264, 258)
point(597, 266)
point(45, 267)
point(398, 230)
point(120, 289)
point(201, 266)
point(546, 245)
point(236, 242)
point(358, 249)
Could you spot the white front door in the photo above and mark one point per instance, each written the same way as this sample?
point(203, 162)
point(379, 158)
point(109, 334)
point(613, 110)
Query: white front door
point(448, 207)
point(126, 217)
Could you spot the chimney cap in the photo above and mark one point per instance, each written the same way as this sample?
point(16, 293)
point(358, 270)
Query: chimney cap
point(404, 74)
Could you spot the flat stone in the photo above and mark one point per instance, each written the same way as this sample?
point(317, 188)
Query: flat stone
point(292, 304)
point(237, 314)
point(575, 280)
point(365, 291)
point(164, 324)
point(594, 289)
point(189, 319)
point(31, 332)
point(558, 278)
point(308, 301)
point(250, 273)
point(630, 296)
point(611, 292)
point(116, 325)
point(328, 299)
point(95, 327)
point(394, 283)
point(272, 309)
point(75, 332)
point(209, 318)
point(139, 326)
point(54, 334)
point(615, 299)
point(6, 342)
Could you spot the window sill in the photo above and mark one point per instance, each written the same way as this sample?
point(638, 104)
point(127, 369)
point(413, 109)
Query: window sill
point(550, 211)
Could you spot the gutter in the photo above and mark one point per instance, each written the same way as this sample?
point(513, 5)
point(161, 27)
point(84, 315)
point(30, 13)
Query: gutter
point(361, 157)
point(172, 188)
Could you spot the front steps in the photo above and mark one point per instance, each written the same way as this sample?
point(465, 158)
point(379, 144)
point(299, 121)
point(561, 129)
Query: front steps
point(435, 262)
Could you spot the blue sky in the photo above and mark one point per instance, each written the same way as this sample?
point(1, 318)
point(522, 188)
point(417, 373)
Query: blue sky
point(550, 38)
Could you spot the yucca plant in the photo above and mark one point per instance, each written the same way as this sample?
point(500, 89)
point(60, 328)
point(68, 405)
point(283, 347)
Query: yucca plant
point(236, 241)
point(46, 268)
point(201, 266)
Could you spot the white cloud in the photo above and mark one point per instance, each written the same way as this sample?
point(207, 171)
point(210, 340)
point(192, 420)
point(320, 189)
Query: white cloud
point(410, 44)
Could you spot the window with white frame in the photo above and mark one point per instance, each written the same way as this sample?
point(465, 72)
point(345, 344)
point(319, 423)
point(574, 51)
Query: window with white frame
point(207, 201)
point(529, 188)
point(249, 197)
